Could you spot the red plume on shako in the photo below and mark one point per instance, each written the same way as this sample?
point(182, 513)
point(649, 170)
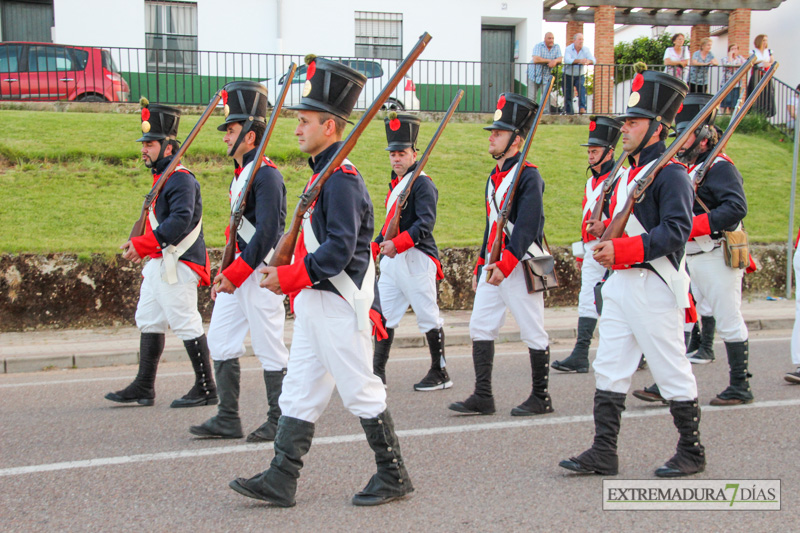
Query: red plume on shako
point(592, 125)
point(394, 122)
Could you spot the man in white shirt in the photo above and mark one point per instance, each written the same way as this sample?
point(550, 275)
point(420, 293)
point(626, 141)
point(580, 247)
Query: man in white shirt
point(576, 57)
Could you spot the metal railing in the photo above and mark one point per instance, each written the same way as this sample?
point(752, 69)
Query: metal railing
point(191, 77)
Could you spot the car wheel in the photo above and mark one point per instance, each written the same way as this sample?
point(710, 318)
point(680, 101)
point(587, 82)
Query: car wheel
point(92, 98)
point(393, 105)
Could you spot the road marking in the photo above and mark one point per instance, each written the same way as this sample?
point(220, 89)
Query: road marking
point(344, 439)
point(395, 360)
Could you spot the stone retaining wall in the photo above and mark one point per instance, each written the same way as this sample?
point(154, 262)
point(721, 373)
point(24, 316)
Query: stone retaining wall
point(65, 291)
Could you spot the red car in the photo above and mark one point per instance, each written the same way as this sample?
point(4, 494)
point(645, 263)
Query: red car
point(43, 71)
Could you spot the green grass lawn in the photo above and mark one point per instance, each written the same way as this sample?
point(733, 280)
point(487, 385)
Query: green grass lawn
point(73, 182)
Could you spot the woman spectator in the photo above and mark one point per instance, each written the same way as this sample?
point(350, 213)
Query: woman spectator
point(676, 57)
point(791, 108)
point(765, 104)
point(731, 62)
point(699, 73)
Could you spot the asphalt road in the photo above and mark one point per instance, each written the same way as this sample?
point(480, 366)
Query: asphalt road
point(72, 461)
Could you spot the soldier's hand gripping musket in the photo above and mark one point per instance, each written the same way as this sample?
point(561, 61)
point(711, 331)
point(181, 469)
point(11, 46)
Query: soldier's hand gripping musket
point(394, 224)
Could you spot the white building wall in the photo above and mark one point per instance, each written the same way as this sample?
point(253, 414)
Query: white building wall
point(99, 22)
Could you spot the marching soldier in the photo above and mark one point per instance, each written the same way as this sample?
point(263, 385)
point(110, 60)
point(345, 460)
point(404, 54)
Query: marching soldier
point(603, 137)
point(333, 277)
point(173, 239)
point(506, 287)
point(410, 264)
point(720, 204)
point(645, 299)
point(240, 304)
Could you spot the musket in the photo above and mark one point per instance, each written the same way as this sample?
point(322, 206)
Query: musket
point(139, 225)
point(285, 247)
point(597, 212)
point(736, 119)
point(393, 228)
point(237, 210)
point(508, 202)
point(617, 226)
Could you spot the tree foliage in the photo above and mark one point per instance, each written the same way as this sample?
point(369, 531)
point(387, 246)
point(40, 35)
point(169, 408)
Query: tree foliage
point(648, 50)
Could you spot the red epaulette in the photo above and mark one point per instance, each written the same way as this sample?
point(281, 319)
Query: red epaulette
point(347, 169)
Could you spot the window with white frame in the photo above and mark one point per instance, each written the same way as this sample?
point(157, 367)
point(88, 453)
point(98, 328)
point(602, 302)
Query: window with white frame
point(379, 35)
point(171, 36)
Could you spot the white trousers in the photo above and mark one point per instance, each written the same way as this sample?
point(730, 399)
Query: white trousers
point(162, 305)
point(491, 303)
point(796, 330)
point(409, 279)
point(591, 274)
point(329, 351)
point(718, 288)
point(640, 315)
point(249, 308)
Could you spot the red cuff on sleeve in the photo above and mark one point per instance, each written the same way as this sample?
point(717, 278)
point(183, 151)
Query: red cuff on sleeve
point(237, 272)
point(481, 262)
point(507, 263)
point(146, 244)
point(376, 249)
point(579, 259)
point(403, 242)
point(293, 277)
point(700, 226)
point(628, 250)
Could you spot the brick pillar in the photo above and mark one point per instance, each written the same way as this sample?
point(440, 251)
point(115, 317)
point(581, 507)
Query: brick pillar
point(699, 32)
point(739, 30)
point(573, 27)
point(603, 99)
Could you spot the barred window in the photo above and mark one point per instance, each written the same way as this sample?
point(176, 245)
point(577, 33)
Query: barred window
point(171, 36)
point(379, 35)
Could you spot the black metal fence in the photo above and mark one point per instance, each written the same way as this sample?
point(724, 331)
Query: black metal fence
point(191, 77)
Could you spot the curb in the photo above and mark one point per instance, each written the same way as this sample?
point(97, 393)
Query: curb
point(38, 363)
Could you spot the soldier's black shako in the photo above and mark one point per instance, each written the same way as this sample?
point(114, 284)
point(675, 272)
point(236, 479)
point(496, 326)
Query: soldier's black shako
point(603, 131)
point(401, 131)
point(159, 123)
point(330, 87)
point(657, 97)
point(245, 102)
point(692, 105)
point(514, 113)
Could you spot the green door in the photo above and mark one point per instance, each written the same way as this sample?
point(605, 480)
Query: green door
point(497, 64)
point(29, 20)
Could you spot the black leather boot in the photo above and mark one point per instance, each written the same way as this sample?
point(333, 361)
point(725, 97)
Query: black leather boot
point(273, 380)
point(692, 339)
point(227, 424)
point(481, 402)
point(436, 378)
point(578, 360)
point(142, 390)
point(278, 484)
point(601, 458)
point(738, 391)
point(391, 481)
point(690, 457)
point(650, 394)
point(705, 353)
point(539, 402)
point(381, 355)
point(204, 391)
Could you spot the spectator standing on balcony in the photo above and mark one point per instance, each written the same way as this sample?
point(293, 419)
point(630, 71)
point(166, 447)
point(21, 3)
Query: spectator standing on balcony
point(731, 64)
point(576, 57)
point(765, 104)
point(699, 73)
point(676, 57)
point(546, 56)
